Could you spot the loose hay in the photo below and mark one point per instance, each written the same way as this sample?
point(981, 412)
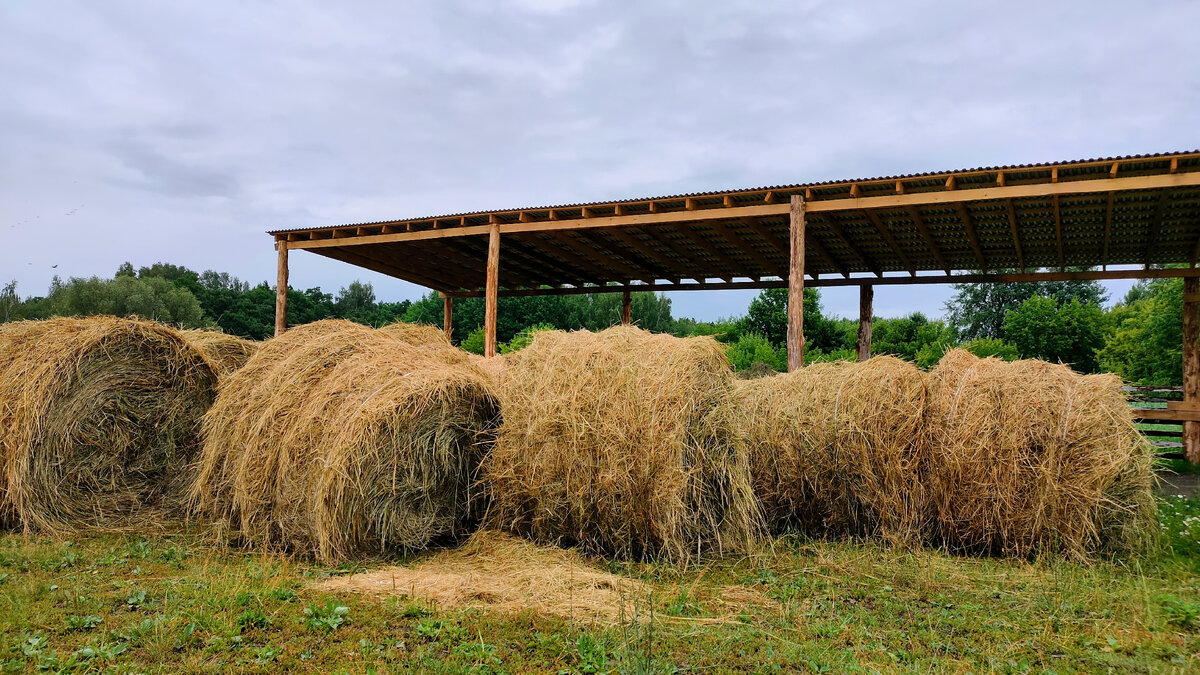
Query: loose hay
point(338, 439)
point(836, 448)
point(621, 442)
point(503, 574)
point(98, 419)
point(1030, 457)
point(417, 334)
point(226, 353)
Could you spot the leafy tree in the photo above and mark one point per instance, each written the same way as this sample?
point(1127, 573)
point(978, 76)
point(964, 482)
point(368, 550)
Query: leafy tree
point(767, 316)
point(10, 303)
point(150, 298)
point(355, 302)
point(1069, 333)
point(979, 310)
point(752, 348)
point(474, 342)
point(906, 337)
point(524, 338)
point(1146, 344)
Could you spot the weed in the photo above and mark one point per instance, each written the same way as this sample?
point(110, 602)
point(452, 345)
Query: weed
point(328, 618)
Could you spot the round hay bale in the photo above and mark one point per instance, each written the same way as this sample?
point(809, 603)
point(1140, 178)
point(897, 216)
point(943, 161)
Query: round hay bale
point(99, 417)
point(337, 439)
point(621, 442)
point(417, 334)
point(836, 447)
point(226, 353)
point(1029, 456)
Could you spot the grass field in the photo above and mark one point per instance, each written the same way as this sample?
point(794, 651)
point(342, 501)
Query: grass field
point(177, 603)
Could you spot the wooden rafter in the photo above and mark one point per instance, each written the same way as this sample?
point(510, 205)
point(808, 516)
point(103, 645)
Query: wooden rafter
point(1108, 213)
point(1160, 208)
point(515, 269)
point(1016, 232)
point(765, 265)
point(972, 235)
point(543, 264)
point(835, 227)
point(915, 215)
point(684, 255)
point(1058, 233)
point(457, 277)
point(616, 270)
point(712, 249)
point(595, 239)
point(385, 268)
point(646, 255)
point(761, 230)
point(567, 250)
point(886, 233)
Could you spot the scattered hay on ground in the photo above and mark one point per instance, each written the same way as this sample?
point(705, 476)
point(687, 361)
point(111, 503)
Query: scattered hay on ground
point(507, 575)
point(621, 442)
point(1029, 457)
point(836, 448)
point(226, 353)
point(337, 439)
point(99, 417)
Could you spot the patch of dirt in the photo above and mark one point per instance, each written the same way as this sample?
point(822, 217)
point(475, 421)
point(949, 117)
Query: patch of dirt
point(508, 575)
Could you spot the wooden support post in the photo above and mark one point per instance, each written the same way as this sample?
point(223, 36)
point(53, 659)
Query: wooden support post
point(866, 294)
point(626, 308)
point(281, 286)
point(492, 291)
point(448, 316)
point(795, 329)
point(1191, 365)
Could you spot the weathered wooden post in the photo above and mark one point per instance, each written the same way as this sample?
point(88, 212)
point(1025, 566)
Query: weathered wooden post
point(281, 287)
point(1191, 366)
point(866, 294)
point(447, 316)
point(795, 330)
point(492, 291)
point(626, 308)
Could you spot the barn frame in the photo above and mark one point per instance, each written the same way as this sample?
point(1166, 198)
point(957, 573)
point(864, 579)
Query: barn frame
point(1032, 222)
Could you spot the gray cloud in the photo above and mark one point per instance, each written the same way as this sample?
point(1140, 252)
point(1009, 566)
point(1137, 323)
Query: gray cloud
point(186, 130)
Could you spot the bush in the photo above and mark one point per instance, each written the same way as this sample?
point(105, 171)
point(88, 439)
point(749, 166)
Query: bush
point(521, 340)
point(753, 348)
point(474, 341)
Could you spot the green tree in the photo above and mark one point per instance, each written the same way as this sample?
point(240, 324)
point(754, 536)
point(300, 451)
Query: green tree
point(752, 348)
point(10, 303)
point(767, 316)
point(979, 310)
point(1146, 343)
point(355, 302)
point(1069, 333)
point(907, 336)
point(150, 298)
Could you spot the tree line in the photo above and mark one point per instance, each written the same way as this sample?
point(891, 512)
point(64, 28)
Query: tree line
point(1139, 338)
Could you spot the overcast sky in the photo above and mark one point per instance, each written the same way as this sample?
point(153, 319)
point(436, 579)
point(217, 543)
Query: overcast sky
point(149, 131)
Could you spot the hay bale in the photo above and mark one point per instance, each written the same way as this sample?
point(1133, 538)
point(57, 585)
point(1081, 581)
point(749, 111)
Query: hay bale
point(337, 439)
point(98, 419)
point(1030, 456)
point(621, 442)
point(226, 353)
point(417, 334)
point(835, 447)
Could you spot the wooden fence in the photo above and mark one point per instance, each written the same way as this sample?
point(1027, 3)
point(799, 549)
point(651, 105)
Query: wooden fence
point(1163, 427)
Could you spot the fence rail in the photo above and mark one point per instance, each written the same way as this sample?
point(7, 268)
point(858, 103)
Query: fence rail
point(1163, 427)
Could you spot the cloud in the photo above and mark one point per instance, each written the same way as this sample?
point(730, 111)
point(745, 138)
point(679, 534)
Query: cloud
point(189, 129)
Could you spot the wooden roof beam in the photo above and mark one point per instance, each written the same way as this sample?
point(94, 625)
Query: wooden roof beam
point(726, 260)
point(835, 227)
point(973, 236)
point(887, 235)
point(1108, 213)
point(367, 262)
point(761, 230)
point(1016, 232)
point(1058, 234)
point(928, 237)
point(656, 234)
point(764, 264)
point(616, 271)
point(650, 258)
point(1155, 222)
point(540, 262)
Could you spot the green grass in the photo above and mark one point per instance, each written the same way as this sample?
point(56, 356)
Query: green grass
point(176, 604)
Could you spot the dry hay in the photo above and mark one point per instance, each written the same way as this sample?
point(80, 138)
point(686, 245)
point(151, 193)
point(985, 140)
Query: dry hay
point(98, 419)
point(226, 353)
point(337, 439)
point(417, 334)
point(506, 575)
point(836, 447)
point(1029, 457)
point(621, 442)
